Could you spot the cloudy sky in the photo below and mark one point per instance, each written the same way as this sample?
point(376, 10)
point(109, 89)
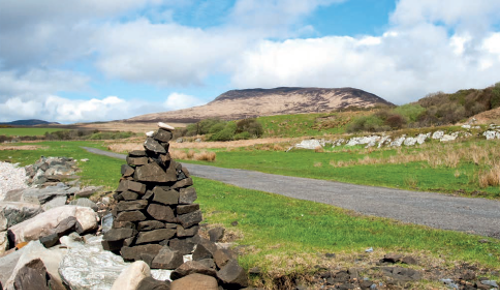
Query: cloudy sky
point(96, 60)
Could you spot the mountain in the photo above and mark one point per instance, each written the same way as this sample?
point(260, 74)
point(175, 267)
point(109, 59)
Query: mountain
point(32, 122)
point(250, 103)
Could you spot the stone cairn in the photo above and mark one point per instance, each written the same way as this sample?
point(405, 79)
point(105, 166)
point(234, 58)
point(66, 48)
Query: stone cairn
point(156, 220)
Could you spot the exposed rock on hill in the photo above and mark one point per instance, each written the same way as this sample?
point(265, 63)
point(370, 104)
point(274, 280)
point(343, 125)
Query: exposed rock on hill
point(239, 104)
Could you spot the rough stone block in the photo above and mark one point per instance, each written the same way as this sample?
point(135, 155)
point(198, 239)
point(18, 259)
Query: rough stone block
point(183, 183)
point(184, 246)
point(184, 209)
point(154, 236)
point(152, 172)
point(50, 240)
point(129, 195)
point(201, 253)
point(152, 145)
point(131, 205)
point(187, 195)
point(163, 135)
point(130, 216)
point(149, 226)
point(189, 232)
point(169, 197)
point(195, 281)
point(118, 234)
point(167, 259)
point(233, 276)
point(137, 153)
point(190, 219)
point(136, 161)
point(127, 170)
point(162, 213)
point(133, 253)
point(192, 267)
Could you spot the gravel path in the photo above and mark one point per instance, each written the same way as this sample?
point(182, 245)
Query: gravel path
point(11, 177)
point(473, 215)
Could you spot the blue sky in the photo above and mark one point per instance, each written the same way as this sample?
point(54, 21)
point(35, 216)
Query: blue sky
point(95, 60)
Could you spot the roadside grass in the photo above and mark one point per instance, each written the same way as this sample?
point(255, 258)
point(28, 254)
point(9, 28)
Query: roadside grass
point(98, 170)
point(277, 230)
point(27, 131)
point(288, 236)
point(469, 169)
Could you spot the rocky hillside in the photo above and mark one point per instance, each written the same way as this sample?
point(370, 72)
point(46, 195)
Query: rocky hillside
point(239, 104)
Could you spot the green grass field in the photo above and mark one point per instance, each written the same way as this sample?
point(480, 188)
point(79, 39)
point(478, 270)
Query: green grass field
point(283, 235)
point(27, 131)
point(461, 179)
point(301, 125)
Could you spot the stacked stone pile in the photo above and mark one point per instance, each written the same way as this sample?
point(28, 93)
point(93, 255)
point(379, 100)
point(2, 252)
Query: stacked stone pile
point(156, 220)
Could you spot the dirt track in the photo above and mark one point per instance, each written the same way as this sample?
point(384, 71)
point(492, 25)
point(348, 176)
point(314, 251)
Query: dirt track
point(473, 215)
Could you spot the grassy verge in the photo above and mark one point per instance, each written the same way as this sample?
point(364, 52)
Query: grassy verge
point(98, 170)
point(283, 235)
point(460, 168)
point(27, 131)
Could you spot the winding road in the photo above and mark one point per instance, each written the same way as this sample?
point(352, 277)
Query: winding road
point(472, 215)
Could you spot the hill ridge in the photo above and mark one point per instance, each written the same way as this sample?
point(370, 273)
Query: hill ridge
point(250, 103)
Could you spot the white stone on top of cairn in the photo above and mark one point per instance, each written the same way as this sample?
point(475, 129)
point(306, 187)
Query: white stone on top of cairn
point(150, 133)
point(165, 126)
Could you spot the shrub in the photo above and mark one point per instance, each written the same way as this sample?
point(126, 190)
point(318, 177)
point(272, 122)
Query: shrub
point(242, 136)
point(495, 98)
point(251, 126)
point(226, 134)
point(410, 111)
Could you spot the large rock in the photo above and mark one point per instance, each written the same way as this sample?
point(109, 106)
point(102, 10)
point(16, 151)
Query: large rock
point(131, 277)
point(161, 212)
point(13, 213)
point(33, 251)
point(190, 219)
point(192, 267)
point(153, 145)
point(118, 234)
point(4, 242)
point(131, 186)
point(150, 283)
point(195, 281)
point(131, 205)
point(130, 216)
point(134, 253)
point(55, 202)
point(45, 223)
point(41, 195)
point(150, 225)
point(155, 236)
point(88, 266)
point(168, 197)
point(152, 172)
point(233, 276)
point(187, 195)
point(34, 276)
point(3, 222)
point(167, 259)
point(163, 135)
point(84, 202)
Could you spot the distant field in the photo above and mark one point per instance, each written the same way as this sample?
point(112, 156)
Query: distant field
point(27, 131)
point(302, 125)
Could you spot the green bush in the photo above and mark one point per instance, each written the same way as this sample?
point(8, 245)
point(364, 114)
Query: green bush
point(495, 98)
point(251, 126)
point(242, 136)
point(226, 134)
point(409, 111)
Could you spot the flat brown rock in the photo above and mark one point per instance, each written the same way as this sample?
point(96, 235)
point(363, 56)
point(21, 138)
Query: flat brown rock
point(192, 267)
point(152, 172)
point(162, 213)
point(195, 281)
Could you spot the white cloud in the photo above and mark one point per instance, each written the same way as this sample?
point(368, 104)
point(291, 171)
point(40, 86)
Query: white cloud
point(57, 109)
point(400, 66)
point(36, 82)
point(177, 101)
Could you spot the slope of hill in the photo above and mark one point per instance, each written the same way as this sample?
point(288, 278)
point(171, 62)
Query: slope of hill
point(239, 104)
point(31, 122)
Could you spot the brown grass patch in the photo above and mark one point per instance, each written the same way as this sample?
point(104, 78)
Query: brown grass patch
point(23, 147)
point(193, 155)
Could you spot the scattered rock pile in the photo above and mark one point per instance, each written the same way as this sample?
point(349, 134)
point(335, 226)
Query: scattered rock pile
point(156, 220)
point(48, 171)
point(492, 132)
